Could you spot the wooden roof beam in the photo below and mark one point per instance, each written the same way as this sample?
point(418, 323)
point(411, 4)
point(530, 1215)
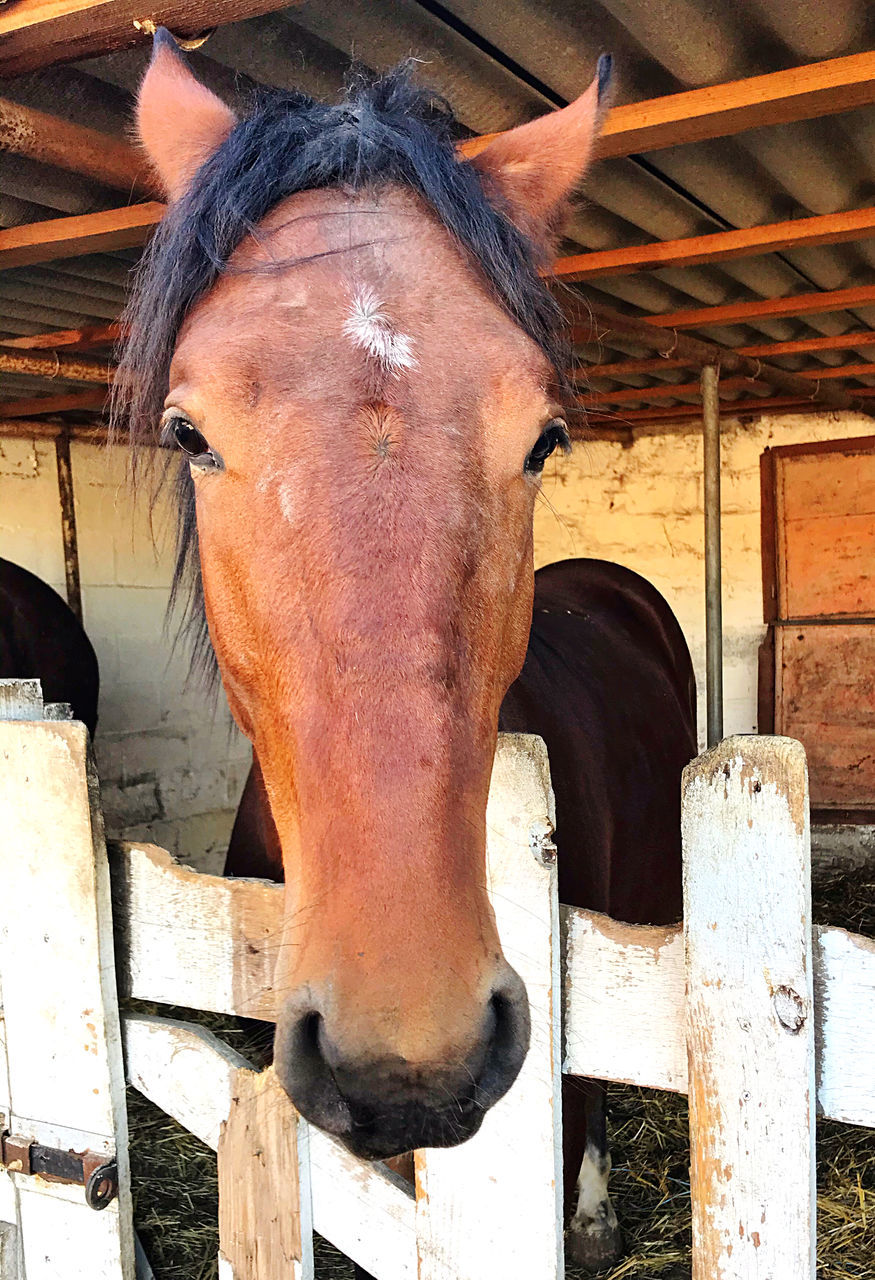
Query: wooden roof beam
point(717, 111)
point(69, 368)
point(38, 33)
point(601, 322)
point(841, 342)
point(802, 304)
point(72, 237)
point(74, 339)
point(680, 412)
point(47, 139)
point(38, 405)
point(797, 233)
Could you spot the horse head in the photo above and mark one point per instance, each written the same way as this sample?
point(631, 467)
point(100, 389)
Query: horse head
point(342, 327)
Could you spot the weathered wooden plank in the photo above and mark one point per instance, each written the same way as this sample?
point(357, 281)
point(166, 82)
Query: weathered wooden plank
point(167, 951)
point(200, 941)
point(124, 228)
point(716, 111)
point(844, 992)
point(362, 1208)
point(184, 1069)
point(623, 1001)
point(34, 406)
point(37, 33)
point(800, 304)
point(511, 1171)
point(265, 1225)
point(66, 1078)
point(750, 1015)
point(51, 140)
point(720, 246)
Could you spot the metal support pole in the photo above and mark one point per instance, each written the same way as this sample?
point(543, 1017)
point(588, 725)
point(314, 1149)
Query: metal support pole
point(68, 524)
point(710, 378)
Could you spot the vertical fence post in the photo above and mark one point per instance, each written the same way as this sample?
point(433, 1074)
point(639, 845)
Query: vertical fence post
point(493, 1207)
point(750, 1032)
point(710, 381)
point(63, 1041)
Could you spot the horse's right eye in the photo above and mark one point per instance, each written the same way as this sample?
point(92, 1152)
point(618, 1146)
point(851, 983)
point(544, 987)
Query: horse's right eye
point(179, 430)
point(189, 439)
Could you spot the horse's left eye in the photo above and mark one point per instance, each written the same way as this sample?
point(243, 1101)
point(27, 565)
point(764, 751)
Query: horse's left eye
point(554, 436)
point(193, 443)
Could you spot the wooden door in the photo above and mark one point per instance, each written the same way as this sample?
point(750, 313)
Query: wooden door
point(817, 673)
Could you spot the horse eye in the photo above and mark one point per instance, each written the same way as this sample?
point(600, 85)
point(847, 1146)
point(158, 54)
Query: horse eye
point(192, 442)
point(554, 436)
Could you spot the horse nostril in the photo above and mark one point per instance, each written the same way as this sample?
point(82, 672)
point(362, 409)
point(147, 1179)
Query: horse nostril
point(509, 1009)
point(307, 1076)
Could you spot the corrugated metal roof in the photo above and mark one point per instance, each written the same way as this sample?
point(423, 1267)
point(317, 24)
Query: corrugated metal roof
point(500, 62)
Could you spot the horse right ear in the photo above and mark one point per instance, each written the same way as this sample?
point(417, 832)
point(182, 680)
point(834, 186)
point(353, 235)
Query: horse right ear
point(179, 121)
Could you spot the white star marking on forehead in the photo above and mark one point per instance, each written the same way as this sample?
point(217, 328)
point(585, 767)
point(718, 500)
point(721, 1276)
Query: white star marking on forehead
point(371, 329)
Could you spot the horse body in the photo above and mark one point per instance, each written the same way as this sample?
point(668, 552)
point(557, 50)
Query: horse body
point(41, 638)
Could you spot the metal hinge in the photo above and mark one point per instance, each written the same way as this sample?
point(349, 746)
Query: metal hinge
point(89, 1169)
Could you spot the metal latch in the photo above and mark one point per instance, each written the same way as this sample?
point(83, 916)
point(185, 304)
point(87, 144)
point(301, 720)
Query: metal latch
point(88, 1169)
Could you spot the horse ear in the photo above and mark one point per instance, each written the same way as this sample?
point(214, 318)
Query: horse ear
point(179, 121)
point(536, 166)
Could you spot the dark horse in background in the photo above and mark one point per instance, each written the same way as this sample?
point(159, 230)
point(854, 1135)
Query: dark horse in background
point(41, 638)
point(342, 325)
point(608, 684)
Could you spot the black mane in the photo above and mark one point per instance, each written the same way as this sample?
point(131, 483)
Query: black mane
point(385, 130)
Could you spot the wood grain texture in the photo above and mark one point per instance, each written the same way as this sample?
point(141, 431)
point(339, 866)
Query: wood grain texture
point(721, 246)
point(38, 33)
point(260, 1184)
point(623, 1001)
point(48, 139)
point(364, 1209)
point(802, 304)
point(470, 1198)
point(63, 1042)
point(84, 233)
point(844, 991)
point(750, 1010)
point(825, 696)
point(195, 940)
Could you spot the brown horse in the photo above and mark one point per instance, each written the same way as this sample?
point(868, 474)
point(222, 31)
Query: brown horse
point(41, 638)
point(341, 325)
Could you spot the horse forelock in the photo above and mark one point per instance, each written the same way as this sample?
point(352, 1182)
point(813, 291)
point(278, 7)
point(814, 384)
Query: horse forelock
point(384, 131)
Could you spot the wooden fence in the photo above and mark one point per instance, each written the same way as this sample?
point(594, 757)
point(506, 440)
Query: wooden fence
point(778, 1015)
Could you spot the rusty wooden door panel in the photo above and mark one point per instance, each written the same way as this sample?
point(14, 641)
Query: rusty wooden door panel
point(818, 524)
point(826, 677)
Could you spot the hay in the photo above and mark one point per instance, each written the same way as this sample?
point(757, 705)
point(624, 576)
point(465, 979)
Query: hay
point(175, 1198)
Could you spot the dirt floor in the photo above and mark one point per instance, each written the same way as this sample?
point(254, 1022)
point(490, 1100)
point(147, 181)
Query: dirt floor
point(174, 1175)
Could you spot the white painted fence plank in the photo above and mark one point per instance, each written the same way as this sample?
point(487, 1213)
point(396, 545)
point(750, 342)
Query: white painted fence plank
point(624, 1001)
point(750, 1028)
point(184, 1069)
point(191, 939)
point(66, 1079)
point(844, 992)
point(610, 969)
point(493, 1207)
point(363, 1208)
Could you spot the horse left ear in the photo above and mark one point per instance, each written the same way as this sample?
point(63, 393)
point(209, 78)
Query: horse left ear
point(536, 166)
point(180, 121)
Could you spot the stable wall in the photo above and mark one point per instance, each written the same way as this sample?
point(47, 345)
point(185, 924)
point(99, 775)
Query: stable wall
point(642, 506)
point(172, 765)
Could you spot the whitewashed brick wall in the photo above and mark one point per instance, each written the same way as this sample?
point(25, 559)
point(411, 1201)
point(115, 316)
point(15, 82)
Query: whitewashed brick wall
point(172, 767)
